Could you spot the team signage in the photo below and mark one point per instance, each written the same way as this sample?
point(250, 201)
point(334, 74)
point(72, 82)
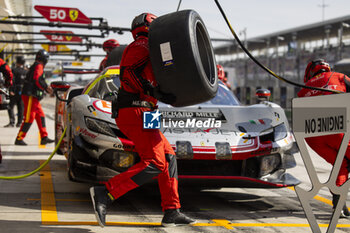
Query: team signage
point(313, 117)
point(61, 38)
point(63, 14)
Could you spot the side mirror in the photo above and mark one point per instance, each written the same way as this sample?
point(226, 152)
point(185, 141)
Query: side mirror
point(60, 86)
point(263, 94)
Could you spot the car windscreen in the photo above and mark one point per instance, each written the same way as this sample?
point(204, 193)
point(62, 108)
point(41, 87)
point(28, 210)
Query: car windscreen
point(105, 88)
point(224, 96)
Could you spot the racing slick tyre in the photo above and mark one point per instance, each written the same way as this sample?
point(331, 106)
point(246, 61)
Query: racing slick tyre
point(182, 57)
point(115, 56)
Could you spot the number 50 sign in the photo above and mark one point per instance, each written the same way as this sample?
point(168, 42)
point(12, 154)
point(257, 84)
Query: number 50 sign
point(63, 14)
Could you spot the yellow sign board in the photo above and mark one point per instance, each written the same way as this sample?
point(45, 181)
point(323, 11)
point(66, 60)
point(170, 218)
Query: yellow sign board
point(55, 48)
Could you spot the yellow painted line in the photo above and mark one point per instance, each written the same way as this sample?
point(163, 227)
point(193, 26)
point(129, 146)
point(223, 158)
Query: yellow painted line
point(48, 203)
point(324, 200)
point(39, 143)
point(217, 223)
point(223, 223)
point(138, 224)
point(319, 198)
point(49, 212)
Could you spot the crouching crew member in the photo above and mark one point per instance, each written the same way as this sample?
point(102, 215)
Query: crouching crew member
point(32, 92)
point(138, 94)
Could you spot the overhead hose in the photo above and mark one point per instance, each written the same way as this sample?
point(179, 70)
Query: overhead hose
point(40, 167)
point(261, 65)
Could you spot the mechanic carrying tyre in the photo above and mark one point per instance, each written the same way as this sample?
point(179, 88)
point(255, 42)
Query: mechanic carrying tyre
point(7, 73)
point(108, 46)
point(139, 93)
point(32, 92)
point(318, 73)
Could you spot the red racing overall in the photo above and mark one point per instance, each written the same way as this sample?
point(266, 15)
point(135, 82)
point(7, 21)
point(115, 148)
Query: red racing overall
point(33, 85)
point(327, 146)
point(6, 72)
point(157, 156)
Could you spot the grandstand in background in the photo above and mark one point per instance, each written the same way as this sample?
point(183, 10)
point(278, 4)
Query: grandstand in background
point(286, 53)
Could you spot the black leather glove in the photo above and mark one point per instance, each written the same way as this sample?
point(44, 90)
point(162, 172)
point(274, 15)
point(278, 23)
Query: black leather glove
point(147, 87)
point(155, 92)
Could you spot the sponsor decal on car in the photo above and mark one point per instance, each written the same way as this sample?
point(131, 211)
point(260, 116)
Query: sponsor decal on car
point(87, 133)
point(153, 120)
point(103, 106)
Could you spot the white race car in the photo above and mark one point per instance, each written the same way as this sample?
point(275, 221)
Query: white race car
point(218, 143)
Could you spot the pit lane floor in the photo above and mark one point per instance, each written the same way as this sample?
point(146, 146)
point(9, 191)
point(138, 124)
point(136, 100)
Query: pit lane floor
point(49, 202)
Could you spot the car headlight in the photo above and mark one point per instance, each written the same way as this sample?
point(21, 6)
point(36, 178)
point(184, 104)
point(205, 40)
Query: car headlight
point(118, 160)
point(280, 132)
point(223, 150)
point(269, 163)
point(184, 150)
point(124, 159)
point(99, 126)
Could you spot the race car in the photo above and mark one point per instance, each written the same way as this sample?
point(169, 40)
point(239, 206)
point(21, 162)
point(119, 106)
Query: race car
point(4, 99)
point(219, 143)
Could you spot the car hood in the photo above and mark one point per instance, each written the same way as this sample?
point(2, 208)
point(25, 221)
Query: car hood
point(240, 126)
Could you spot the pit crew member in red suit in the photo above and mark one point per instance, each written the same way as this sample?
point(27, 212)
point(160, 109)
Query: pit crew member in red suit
point(318, 73)
point(222, 76)
point(138, 94)
point(32, 92)
point(6, 72)
point(8, 76)
point(108, 46)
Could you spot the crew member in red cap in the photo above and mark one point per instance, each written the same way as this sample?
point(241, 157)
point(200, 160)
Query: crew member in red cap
point(108, 46)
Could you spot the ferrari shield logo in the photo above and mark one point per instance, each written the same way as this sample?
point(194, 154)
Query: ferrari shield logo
point(68, 38)
point(73, 14)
